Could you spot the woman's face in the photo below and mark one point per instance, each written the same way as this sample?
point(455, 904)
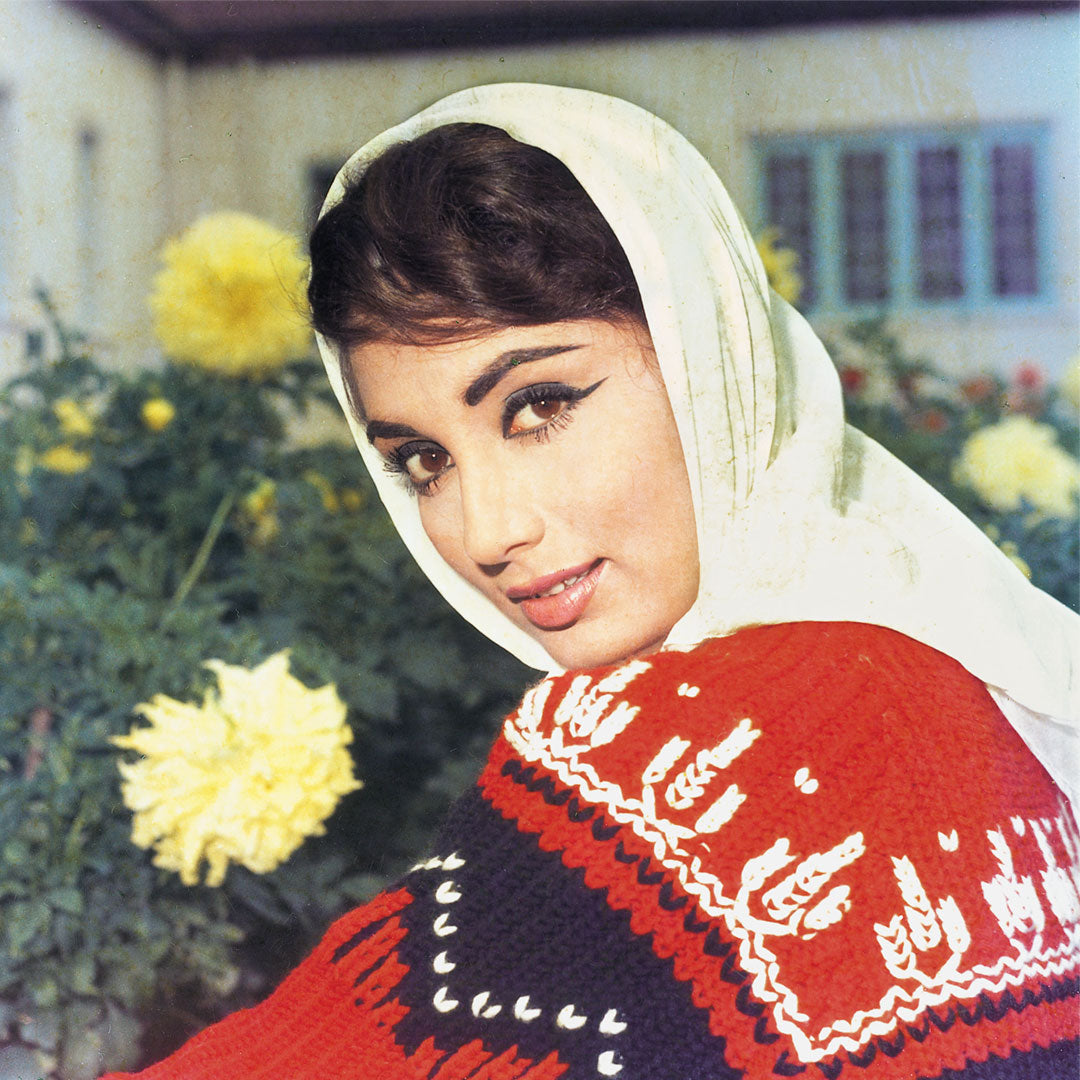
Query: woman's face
point(549, 475)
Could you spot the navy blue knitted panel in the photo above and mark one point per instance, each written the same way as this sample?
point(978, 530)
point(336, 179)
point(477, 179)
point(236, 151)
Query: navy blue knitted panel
point(1060, 1062)
point(532, 957)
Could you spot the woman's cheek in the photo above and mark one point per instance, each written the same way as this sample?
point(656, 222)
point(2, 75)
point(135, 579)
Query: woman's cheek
point(440, 517)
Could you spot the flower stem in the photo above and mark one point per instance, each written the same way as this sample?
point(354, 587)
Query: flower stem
point(41, 721)
point(202, 556)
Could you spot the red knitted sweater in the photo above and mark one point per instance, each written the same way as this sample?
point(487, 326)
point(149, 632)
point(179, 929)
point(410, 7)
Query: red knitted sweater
point(805, 850)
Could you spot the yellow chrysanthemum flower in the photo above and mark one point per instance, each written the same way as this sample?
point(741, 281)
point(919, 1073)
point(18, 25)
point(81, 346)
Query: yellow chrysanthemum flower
point(231, 296)
point(75, 421)
point(243, 778)
point(65, 459)
point(1016, 459)
point(780, 265)
point(157, 413)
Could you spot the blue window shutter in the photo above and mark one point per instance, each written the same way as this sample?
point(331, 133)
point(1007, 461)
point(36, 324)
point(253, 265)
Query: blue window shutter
point(864, 214)
point(939, 193)
point(1013, 237)
point(909, 218)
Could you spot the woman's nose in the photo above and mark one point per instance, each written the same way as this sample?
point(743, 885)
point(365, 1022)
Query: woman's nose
point(499, 517)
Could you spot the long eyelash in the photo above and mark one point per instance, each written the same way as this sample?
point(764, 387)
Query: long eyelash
point(543, 434)
point(393, 465)
point(428, 486)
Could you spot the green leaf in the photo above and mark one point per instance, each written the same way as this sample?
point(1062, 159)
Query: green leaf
point(24, 920)
point(82, 972)
point(44, 991)
point(65, 899)
point(42, 1029)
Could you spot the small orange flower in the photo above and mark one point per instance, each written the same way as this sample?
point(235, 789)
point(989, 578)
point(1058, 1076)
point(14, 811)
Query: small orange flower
point(931, 420)
point(978, 389)
point(852, 380)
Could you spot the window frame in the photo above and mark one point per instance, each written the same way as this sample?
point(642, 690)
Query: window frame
point(900, 147)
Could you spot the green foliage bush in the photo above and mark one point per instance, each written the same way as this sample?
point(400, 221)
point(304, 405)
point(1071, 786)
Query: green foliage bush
point(214, 536)
point(116, 582)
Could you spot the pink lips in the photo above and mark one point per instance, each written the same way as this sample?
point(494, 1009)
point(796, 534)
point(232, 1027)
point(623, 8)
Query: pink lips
point(563, 608)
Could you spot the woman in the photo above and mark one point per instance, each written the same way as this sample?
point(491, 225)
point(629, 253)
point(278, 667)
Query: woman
point(779, 825)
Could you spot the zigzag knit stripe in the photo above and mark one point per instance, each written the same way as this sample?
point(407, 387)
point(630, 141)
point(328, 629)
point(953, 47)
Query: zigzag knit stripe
point(701, 952)
point(858, 660)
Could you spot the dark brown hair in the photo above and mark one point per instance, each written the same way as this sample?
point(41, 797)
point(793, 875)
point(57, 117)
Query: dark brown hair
point(462, 230)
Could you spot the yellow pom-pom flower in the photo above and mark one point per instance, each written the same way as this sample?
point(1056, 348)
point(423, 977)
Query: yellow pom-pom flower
point(230, 298)
point(242, 778)
point(157, 413)
point(1017, 459)
point(780, 265)
point(65, 459)
point(75, 421)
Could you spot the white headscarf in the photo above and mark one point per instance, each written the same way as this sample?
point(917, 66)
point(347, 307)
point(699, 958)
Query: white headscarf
point(799, 517)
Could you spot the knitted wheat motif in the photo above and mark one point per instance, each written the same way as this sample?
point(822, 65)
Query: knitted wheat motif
point(690, 784)
point(584, 708)
point(1013, 899)
point(921, 929)
point(794, 904)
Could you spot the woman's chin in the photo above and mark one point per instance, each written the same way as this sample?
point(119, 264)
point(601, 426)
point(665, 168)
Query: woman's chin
point(580, 646)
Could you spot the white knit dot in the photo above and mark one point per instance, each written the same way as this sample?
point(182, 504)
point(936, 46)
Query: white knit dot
point(950, 842)
point(611, 1024)
point(442, 926)
point(442, 965)
point(446, 893)
point(522, 1010)
point(606, 1064)
point(570, 1019)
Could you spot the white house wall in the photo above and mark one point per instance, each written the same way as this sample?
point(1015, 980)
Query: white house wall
point(177, 142)
point(60, 76)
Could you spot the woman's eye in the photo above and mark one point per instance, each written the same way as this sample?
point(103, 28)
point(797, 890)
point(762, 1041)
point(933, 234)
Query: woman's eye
point(425, 464)
point(535, 414)
point(422, 465)
point(541, 408)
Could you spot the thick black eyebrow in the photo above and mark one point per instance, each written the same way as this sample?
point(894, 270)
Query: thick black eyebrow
point(385, 429)
point(478, 389)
